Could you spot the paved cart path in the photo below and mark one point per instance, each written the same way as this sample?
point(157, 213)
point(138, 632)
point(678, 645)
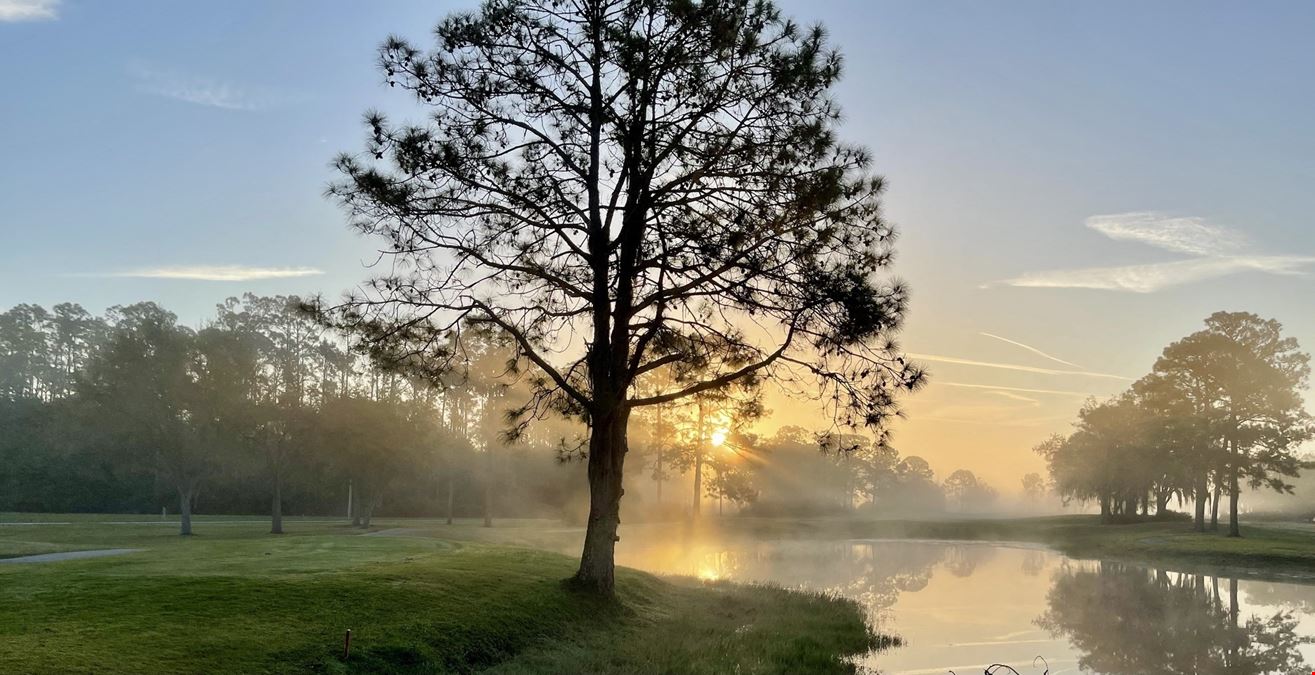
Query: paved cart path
point(69, 555)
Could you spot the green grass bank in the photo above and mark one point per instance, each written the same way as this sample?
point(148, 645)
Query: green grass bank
point(1270, 551)
point(235, 599)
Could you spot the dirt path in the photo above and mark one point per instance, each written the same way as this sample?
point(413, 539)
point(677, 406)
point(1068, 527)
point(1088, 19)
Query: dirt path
point(69, 555)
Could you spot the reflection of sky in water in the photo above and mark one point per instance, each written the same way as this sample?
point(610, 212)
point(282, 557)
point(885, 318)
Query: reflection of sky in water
point(963, 606)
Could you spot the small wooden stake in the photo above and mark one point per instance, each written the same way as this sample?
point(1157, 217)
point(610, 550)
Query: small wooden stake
point(347, 645)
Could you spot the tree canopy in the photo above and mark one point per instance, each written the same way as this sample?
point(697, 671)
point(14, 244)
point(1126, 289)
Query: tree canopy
point(624, 185)
point(1221, 408)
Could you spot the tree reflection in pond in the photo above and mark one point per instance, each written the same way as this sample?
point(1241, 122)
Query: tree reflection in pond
point(1126, 620)
point(874, 575)
point(1034, 562)
point(962, 606)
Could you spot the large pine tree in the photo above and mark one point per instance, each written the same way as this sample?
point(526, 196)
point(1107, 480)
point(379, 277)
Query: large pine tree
point(622, 185)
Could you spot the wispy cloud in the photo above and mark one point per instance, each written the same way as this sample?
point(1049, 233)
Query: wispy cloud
point(1216, 252)
point(994, 387)
point(217, 272)
point(195, 89)
point(29, 10)
point(1191, 235)
point(1032, 349)
point(1013, 366)
point(1157, 276)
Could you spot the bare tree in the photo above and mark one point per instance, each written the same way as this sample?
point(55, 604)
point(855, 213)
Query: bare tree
point(621, 185)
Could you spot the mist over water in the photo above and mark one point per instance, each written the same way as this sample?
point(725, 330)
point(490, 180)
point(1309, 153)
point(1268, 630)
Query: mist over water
point(964, 606)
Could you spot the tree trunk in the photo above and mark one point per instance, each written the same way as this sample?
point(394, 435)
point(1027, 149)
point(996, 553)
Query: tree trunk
point(488, 488)
point(276, 508)
point(660, 441)
point(185, 509)
point(1234, 493)
point(369, 513)
point(1214, 509)
point(607, 452)
point(451, 490)
point(1200, 506)
point(1104, 508)
point(698, 463)
point(353, 505)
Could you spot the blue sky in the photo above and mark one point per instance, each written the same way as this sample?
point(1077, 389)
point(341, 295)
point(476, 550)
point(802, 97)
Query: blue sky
point(1087, 180)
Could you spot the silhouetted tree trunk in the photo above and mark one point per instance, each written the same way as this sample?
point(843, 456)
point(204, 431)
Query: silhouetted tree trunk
point(276, 508)
point(607, 450)
point(698, 462)
point(1201, 496)
point(451, 490)
point(1104, 508)
point(660, 441)
point(185, 509)
point(1234, 492)
point(698, 486)
point(488, 488)
point(370, 505)
point(1214, 508)
point(659, 475)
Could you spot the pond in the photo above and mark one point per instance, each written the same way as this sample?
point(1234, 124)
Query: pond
point(963, 606)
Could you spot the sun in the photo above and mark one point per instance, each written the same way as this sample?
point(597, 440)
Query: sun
point(718, 438)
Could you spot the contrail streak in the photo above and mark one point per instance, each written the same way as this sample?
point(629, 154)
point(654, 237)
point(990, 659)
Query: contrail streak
point(1056, 392)
point(1012, 366)
point(1032, 349)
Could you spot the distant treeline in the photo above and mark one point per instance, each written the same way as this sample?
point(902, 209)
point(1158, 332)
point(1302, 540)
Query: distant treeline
point(1222, 410)
point(261, 410)
point(258, 409)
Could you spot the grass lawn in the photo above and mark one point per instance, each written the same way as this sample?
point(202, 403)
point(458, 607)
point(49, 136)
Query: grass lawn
point(235, 599)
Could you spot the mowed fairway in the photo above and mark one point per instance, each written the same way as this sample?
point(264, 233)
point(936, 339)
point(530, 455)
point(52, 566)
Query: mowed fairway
point(233, 598)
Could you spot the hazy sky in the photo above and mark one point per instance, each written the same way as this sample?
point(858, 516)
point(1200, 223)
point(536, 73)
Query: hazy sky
point(1076, 184)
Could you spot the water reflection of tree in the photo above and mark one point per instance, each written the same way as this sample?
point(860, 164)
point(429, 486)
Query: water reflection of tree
point(1290, 596)
point(1133, 621)
point(879, 574)
point(1033, 562)
point(962, 561)
point(872, 573)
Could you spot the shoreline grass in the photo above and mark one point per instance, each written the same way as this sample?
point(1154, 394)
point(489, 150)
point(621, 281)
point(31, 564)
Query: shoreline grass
point(235, 599)
point(1264, 552)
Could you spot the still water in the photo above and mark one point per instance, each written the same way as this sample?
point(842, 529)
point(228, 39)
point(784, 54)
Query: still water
point(963, 606)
